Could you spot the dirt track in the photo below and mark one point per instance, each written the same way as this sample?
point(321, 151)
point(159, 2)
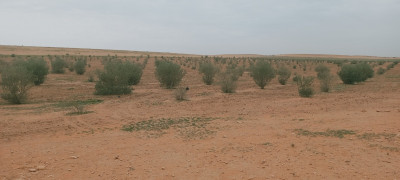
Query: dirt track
point(251, 135)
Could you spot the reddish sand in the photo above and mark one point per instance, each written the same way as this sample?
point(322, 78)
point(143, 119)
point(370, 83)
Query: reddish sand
point(252, 136)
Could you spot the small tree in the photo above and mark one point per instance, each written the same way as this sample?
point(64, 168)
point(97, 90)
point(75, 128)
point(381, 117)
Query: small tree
point(169, 74)
point(304, 85)
point(80, 67)
point(262, 73)
point(209, 71)
point(114, 80)
point(58, 65)
point(227, 82)
point(39, 69)
point(16, 81)
point(284, 74)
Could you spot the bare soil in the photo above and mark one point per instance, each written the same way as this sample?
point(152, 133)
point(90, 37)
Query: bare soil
point(255, 133)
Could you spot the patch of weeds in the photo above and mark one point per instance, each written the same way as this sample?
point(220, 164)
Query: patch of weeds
point(157, 103)
point(371, 136)
point(328, 133)
point(69, 79)
point(392, 76)
point(339, 87)
point(388, 148)
point(67, 104)
point(79, 113)
point(267, 144)
point(187, 127)
point(204, 94)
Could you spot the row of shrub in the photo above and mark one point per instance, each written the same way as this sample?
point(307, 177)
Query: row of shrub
point(118, 76)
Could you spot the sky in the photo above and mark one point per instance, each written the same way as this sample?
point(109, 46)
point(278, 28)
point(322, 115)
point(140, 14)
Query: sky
point(207, 27)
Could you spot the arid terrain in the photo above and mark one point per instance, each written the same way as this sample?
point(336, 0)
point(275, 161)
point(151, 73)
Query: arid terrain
point(352, 132)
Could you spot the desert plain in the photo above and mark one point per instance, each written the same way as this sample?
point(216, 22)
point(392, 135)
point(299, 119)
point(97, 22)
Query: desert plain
point(352, 132)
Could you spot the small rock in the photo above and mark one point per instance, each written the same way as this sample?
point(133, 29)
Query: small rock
point(32, 170)
point(224, 136)
point(163, 168)
point(74, 157)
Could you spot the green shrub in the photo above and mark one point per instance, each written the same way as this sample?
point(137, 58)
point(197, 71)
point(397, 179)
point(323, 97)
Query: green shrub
point(354, 73)
point(262, 73)
point(39, 69)
point(16, 81)
point(80, 67)
point(169, 74)
point(304, 85)
point(209, 71)
point(227, 82)
point(134, 72)
point(58, 65)
point(113, 80)
point(284, 74)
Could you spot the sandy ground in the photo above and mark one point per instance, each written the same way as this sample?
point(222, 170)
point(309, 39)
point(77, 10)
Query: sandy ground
point(251, 135)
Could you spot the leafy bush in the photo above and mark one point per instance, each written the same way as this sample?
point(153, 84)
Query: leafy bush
point(58, 65)
point(284, 74)
point(354, 73)
point(79, 67)
point(16, 81)
point(304, 85)
point(39, 69)
point(134, 72)
point(169, 74)
point(209, 71)
point(227, 82)
point(113, 80)
point(262, 73)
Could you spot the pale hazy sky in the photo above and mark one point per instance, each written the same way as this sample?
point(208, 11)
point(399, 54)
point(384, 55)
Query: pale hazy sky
point(351, 27)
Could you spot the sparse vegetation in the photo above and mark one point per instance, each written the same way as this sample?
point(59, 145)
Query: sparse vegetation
point(380, 71)
point(169, 74)
point(304, 85)
point(262, 73)
point(80, 67)
point(188, 127)
point(324, 76)
point(284, 74)
point(328, 133)
point(58, 65)
point(227, 82)
point(209, 71)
